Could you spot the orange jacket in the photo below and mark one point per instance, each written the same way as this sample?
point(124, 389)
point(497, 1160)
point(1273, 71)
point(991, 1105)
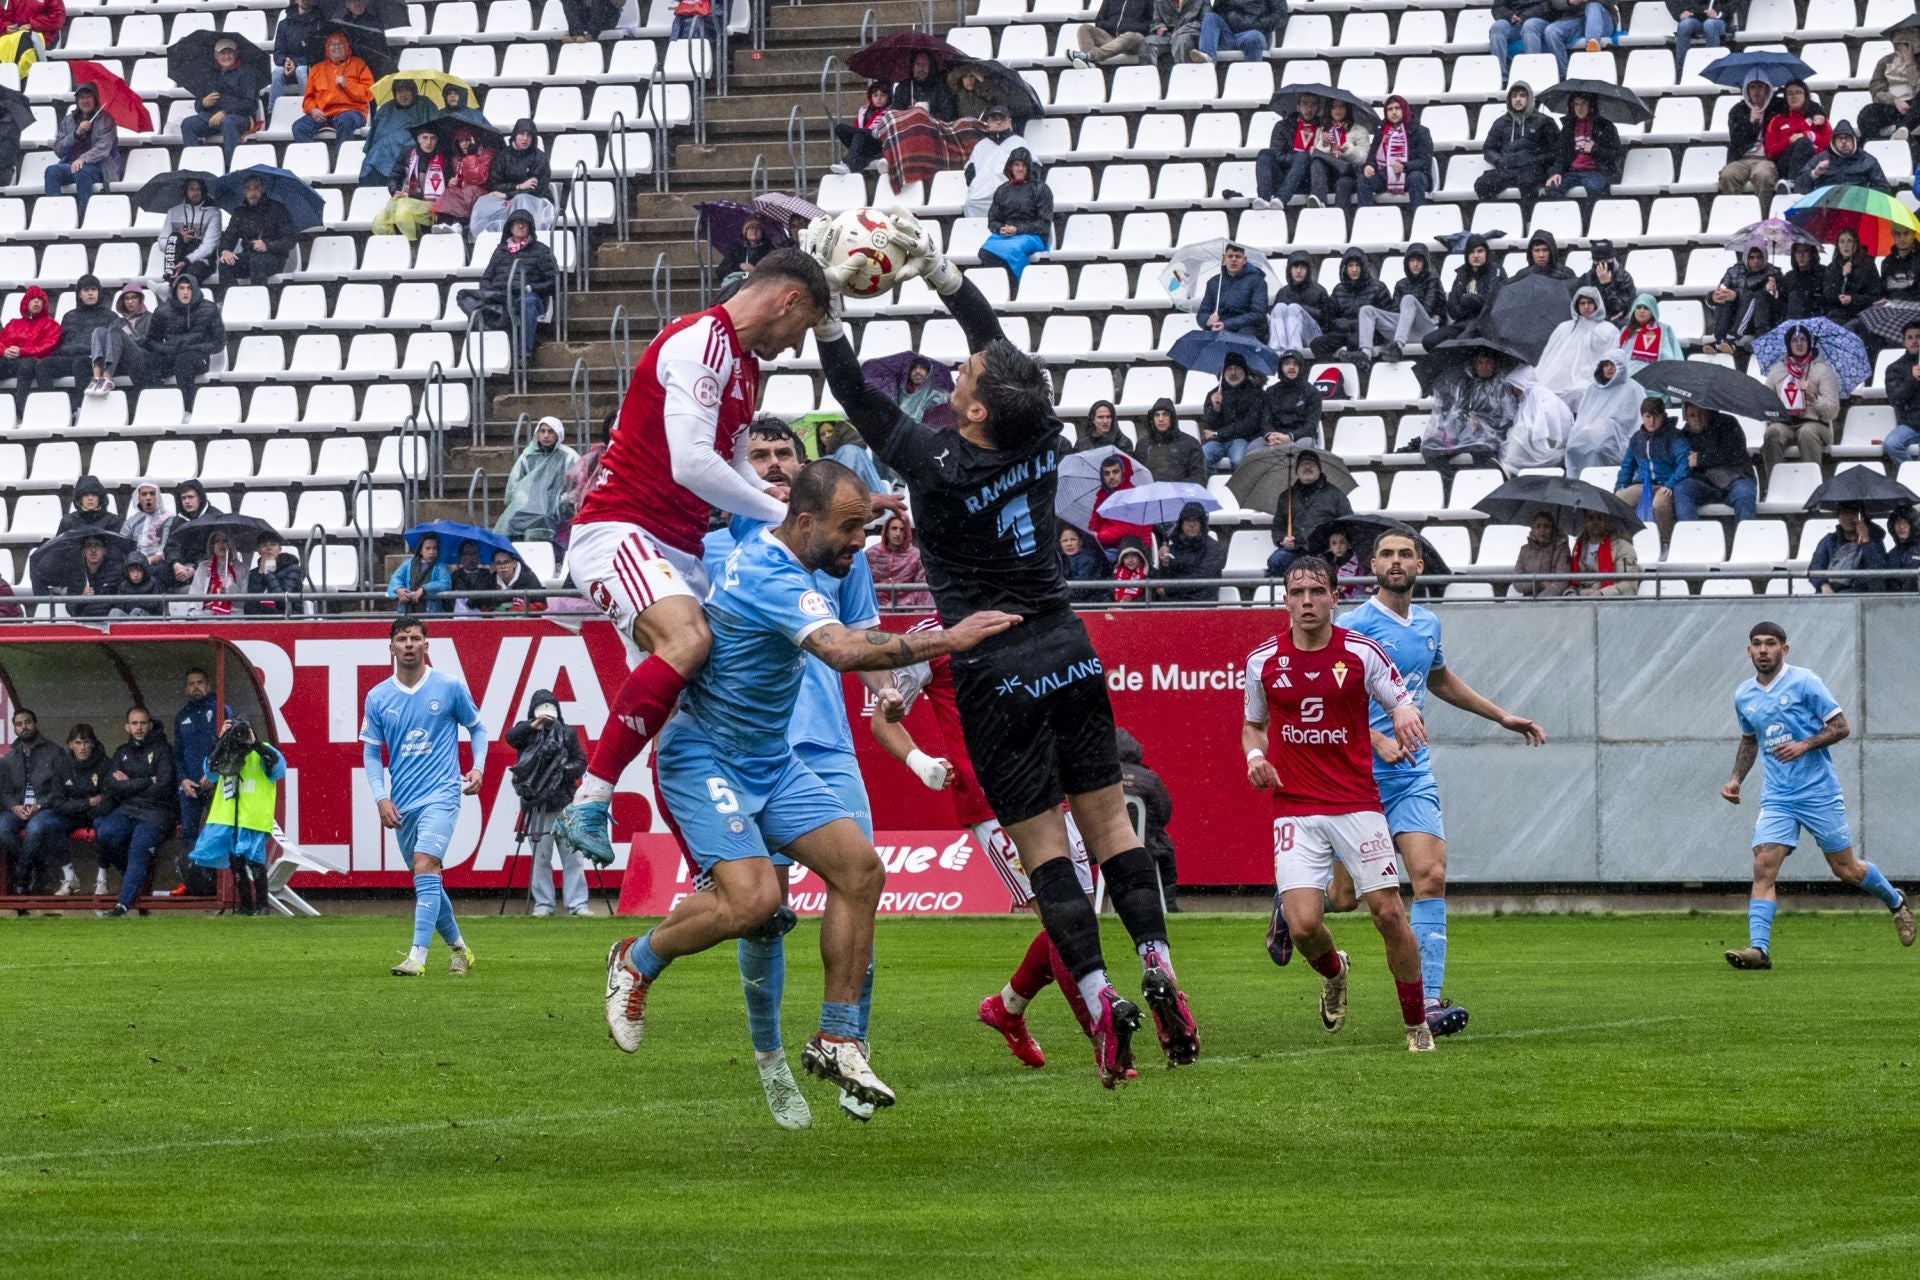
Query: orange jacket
point(330, 99)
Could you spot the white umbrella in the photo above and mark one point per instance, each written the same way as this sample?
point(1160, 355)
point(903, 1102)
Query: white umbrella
point(1186, 276)
point(1079, 483)
point(1159, 502)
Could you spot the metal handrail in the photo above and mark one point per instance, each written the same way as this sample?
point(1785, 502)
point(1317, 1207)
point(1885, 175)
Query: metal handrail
point(622, 194)
point(433, 404)
point(662, 294)
point(362, 483)
point(869, 28)
point(476, 378)
point(703, 257)
point(699, 95)
point(580, 395)
point(759, 178)
point(583, 226)
point(797, 144)
point(662, 153)
point(831, 67)
point(620, 338)
point(927, 24)
point(480, 478)
point(409, 481)
point(723, 55)
point(306, 556)
point(516, 331)
point(525, 420)
point(759, 25)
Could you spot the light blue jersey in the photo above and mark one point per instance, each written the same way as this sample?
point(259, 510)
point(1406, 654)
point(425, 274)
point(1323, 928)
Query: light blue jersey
point(1413, 643)
point(820, 713)
point(1791, 709)
point(420, 729)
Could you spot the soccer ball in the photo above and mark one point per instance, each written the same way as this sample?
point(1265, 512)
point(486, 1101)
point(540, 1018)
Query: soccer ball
point(863, 249)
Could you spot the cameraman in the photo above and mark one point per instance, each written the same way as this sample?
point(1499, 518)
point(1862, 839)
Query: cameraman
point(245, 784)
point(550, 765)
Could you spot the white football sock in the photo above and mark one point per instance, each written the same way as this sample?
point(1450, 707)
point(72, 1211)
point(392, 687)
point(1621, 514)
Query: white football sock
point(1015, 1002)
point(1091, 985)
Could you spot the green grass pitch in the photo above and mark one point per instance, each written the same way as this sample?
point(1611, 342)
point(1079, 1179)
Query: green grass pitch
point(222, 1097)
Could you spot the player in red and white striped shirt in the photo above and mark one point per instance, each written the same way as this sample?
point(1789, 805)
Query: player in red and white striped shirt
point(1310, 686)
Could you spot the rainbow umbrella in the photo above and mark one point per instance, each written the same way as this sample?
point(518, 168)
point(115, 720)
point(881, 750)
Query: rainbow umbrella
point(1871, 215)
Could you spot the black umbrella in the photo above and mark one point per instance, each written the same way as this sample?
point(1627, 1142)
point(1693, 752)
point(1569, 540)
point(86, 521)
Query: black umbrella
point(246, 532)
point(1365, 530)
point(1288, 100)
point(190, 61)
point(1567, 500)
point(1526, 312)
point(1862, 487)
point(169, 189)
point(1002, 85)
point(385, 14)
point(1909, 25)
point(890, 58)
point(1454, 352)
point(448, 125)
point(57, 562)
point(368, 44)
point(1618, 104)
point(15, 104)
point(1711, 386)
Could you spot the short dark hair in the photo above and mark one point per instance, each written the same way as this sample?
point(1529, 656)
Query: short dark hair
point(1770, 629)
point(768, 427)
point(28, 712)
point(818, 483)
point(80, 731)
point(407, 622)
point(1653, 404)
point(198, 671)
point(137, 707)
point(1909, 326)
point(1399, 531)
point(791, 266)
point(1311, 566)
point(1010, 384)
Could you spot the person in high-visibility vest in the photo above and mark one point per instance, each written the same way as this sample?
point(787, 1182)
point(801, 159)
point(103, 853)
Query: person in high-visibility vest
point(246, 775)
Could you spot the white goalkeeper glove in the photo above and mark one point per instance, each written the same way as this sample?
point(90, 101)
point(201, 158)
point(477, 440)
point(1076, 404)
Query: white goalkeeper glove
point(924, 258)
point(936, 774)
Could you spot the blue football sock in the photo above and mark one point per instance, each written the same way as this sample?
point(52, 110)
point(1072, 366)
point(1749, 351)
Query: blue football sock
point(1877, 885)
point(1429, 921)
point(866, 999)
point(1760, 924)
point(426, 907)
point(842, 1020)
point(444, 921)
point(763, 978)
point(645, 961)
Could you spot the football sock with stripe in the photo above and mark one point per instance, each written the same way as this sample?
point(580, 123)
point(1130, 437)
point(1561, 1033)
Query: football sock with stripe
point(763, 979)
point(1429, 920)
point(640, 710)
point(1876, 884)
point(643, 959)
point(1134, 890)
point(426, 908)
point(1760, 924)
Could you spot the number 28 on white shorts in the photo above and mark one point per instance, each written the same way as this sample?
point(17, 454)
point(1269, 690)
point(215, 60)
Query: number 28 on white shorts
point(1304, 849)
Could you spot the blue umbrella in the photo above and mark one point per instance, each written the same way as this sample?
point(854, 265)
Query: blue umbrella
point(290, 190)
point(453, 535)
point(1776, 68)
point(1205, 351)
point(1838, 347)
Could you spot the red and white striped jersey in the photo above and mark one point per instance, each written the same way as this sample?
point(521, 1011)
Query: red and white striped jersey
point(694, 384)
point(1315, 704)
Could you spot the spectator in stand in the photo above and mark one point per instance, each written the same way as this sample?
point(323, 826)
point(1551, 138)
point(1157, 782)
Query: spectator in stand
point(1280, 170)
point(837, 439)
point(136, 583)
point(77, 799)
point(1544, 551)
point(1541, 424)
point(922, 394)
point(1299, 308)
point(87, 149)
point(1578, 24)
point(226, 107)
point(339, 95)
point(192, 234)
point(1116, 476)
point(536, 277)
point(536, 485)
point(1856, 546)
point(1749, 166)
point(45, 18)
point(472, 165)
point(1356, 291)
point(222, 573)
point(1903, 551)
point(420, 176)
point(72, 356)
point(924, 87)
point(1895, 87)
point(1235, 416)
point(1520, 150)
point(1141, 783)
point(1543, 259)
point(195, 728)
point(1601, 550)
point(365, 28)
point(1843, 164)
point(90, 513)
point(1899, 290)
point(1475, 282)
point(863, 149)
point(1797, 130)
point(1472, 412)
point(1235, 301)
point(1293, 406)
point(1340, 149)
point(1608, 417)
point(1701, 20)
point(1167, 451)
point(549, 749)
point(986, 165)
point(1244, 24)
point(275, 572)
point(1655, 464)
point(29, 784)
point(1302, 509)
point(969, 90)
point(509, 573)
point(1573, 354)
point(894, 559)
point(1020, 217)
point(1101, 430)
point(1401, 162)
point(299, 33)
point(139, 787)
point(1613, 281)
point(1190, 551)
point(92, 582)
point(1130, 572)
point(1175, 36)
point(586, 19)
point(752, 246)
point(190, 503)
point(1116, 33)
point(391, 133)
point(1746, 303)
point(1644, 339)
point(1081, 560)
point(1590, 156)
point(1517, 25)
point(9, 149)
point(259, 236)
point(1853, 282)
point(1903, 393)
point(149, 522)
point(521, 168)
point(421, 583)
point(27, 341)
point(1718, 468)
point(1810, 391)
point(1345, 560)
point(469, 575)
point(187, 332)
point(1805, 283)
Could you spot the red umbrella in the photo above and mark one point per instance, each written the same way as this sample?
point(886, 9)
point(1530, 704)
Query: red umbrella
point(890, 58)
point(120, 102)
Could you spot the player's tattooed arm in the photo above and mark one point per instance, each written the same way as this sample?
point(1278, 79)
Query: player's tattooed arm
point(1744, 756)
point(1835, 730)
point(845, 650)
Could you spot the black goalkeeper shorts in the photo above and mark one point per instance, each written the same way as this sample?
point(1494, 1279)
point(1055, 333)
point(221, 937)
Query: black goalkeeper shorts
point(1036, 717)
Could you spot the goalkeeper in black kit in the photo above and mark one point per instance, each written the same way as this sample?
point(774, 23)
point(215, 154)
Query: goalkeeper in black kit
point(1033, 700)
